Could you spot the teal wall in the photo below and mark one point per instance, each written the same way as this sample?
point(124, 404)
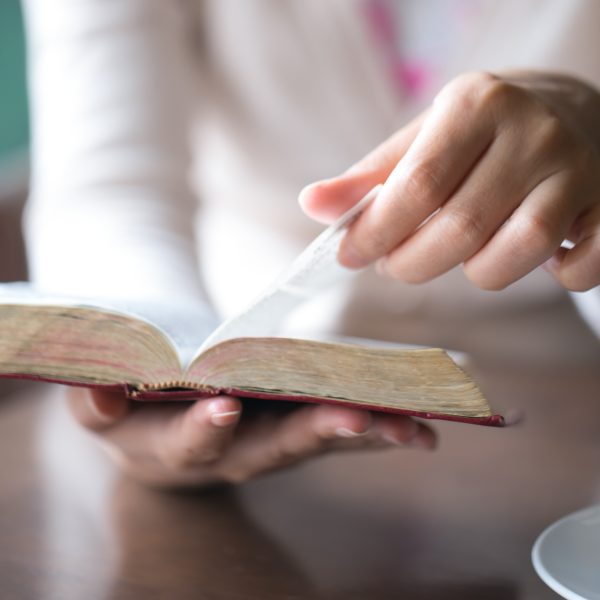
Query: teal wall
point(14, 128)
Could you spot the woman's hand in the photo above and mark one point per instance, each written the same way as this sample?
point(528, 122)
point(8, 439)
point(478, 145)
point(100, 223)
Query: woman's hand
point(495, 176)
point(210, 441)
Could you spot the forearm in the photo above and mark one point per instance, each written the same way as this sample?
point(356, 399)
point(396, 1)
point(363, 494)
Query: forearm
point(110, 211)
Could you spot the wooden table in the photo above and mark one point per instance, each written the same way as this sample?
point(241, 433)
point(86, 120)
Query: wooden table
point(458, 523)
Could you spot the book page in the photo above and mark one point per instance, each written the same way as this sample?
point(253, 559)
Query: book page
point(185, 325)
point(192, 328)
point(315, 270)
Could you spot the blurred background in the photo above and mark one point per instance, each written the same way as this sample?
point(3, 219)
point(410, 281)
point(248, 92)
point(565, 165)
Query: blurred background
point(14, 148)
point(14, 140)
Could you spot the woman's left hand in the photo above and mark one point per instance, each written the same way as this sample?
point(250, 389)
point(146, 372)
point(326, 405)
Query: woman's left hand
point(495, 175)
point(210, 441)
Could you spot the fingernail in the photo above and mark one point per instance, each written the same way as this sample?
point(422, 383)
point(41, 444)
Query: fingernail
point(344, 432)
point(224, 419)
point(349, 257)
point(220, 416)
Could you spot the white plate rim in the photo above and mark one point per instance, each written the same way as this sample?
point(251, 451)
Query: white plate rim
point(541, 570)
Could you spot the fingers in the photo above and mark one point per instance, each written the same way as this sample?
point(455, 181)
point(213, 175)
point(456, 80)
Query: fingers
point(148, 440)
point(492, 178)
point(97, 409)
point(479, 207)
point(528, 239)
point(275, 443)
point(313, 430)
point(578, 269)
point(170, 444)
point(442, 154)
point(463, 225)
point(403, 431)
point(327, 200)
point(200, 435)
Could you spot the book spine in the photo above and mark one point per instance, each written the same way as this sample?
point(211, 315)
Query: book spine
point(135, 392)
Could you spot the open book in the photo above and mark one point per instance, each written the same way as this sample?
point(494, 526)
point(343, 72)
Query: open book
point(154, 353)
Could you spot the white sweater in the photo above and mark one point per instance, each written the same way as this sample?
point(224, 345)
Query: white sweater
point(141, 107)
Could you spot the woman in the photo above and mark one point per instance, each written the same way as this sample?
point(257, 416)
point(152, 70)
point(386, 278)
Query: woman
point(141, 106)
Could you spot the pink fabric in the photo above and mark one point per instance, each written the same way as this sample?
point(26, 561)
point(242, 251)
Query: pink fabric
point(416, 40)
point(411, 76)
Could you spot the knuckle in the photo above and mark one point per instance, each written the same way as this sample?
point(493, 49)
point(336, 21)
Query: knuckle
point(375, 239)
point(466, 88)
point(536, 234)
point(374, 244)
point(424, 185)
point(500, 93)
point(464, 227)
point(551, 132)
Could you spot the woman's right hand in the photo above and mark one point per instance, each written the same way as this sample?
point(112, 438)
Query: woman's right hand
point(211, 441)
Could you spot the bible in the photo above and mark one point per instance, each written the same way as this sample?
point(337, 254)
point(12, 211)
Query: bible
point(154, 352)
point(98, 347)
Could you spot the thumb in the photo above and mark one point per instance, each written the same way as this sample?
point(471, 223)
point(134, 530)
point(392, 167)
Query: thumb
point(326, 200)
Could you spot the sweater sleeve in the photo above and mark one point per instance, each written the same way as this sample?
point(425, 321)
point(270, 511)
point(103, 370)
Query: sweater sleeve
point(110, 212)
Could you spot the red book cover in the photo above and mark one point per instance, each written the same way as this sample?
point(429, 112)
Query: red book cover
point(192, 394)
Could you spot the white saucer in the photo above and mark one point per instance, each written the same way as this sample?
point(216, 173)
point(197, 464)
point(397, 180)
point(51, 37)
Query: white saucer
point(567, 555)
